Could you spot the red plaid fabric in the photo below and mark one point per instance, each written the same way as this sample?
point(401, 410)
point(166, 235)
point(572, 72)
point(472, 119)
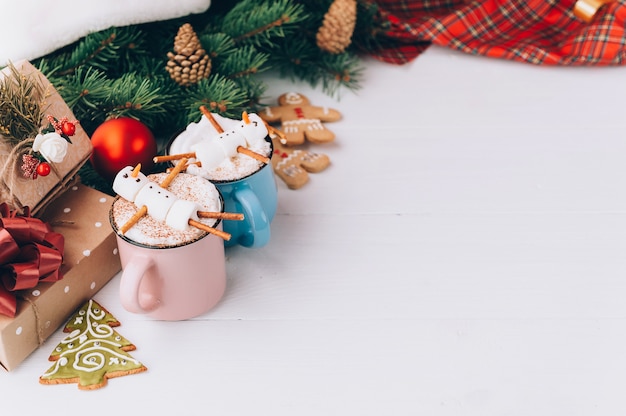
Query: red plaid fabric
point(534, 31)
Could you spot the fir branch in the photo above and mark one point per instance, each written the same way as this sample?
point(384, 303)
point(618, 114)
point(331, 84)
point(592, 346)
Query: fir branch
point(242, 62)
point(253, 89)
point(84, 88)
point(217, 44)
point(370, 27)
point(152, 67)
point(84, 92)
point(299, 58)
point(258, 22)
point(22, 106)
point(343, 70)
point(99, 49)
point(293, 55)
point(133, 95)
point(94, 97)
point(219, 94)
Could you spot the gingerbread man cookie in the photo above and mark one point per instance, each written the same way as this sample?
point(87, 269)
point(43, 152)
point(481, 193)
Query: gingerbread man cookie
point(300, 120)
point(294, 165)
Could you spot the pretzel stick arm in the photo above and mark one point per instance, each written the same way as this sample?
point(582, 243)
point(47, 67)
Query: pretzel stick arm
point(168, 158)
point(215, 231)
point(221, 215)
point(252, 154)
point(273, 131)
point(212, 119)
point(184, 168)
point(172, 174)
point(133, 220)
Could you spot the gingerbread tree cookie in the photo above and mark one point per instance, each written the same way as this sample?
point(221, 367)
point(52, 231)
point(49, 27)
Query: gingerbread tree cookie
point(92, 352)
point(300, 120)
point(294, 165)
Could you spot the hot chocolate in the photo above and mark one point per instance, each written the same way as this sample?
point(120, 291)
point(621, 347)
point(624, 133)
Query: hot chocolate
point(184, 190)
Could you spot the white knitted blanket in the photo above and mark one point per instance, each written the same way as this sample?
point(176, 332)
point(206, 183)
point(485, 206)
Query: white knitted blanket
point(33, 28)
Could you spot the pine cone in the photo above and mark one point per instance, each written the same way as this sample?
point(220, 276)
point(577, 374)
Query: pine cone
point(335, 34)
point(189, 63)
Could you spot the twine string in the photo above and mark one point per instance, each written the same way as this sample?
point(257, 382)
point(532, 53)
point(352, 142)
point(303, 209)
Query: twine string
point(39, 328)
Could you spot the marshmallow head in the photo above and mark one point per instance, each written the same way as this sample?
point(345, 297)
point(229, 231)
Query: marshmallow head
point(209, 152)
point(254, 130)
point(127, 186)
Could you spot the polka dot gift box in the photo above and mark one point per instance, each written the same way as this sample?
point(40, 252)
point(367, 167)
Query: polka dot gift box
point(66, 251)
point(90, 260)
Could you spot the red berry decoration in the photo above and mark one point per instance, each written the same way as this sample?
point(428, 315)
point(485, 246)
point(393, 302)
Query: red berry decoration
point(68, 128)
point(43, 169)
point(122, 142)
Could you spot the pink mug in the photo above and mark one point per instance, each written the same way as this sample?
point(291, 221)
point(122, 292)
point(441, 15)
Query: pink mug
point(174, 282)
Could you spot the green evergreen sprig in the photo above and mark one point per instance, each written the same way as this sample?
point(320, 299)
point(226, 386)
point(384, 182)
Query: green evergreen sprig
point(217, 93)
point(242, 62)
point(22, 106)
point(261, 22)
point(111, 50)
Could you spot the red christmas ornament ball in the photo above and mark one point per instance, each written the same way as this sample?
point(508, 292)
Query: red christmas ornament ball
point(121, 142)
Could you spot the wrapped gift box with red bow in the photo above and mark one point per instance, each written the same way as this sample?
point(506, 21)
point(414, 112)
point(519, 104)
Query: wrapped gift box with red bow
point(57, 248)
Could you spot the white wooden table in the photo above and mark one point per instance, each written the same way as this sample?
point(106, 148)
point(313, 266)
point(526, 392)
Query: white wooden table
point(465, 254)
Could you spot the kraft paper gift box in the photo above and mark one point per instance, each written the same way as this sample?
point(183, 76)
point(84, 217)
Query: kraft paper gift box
point(81, 215)
point(37, 193)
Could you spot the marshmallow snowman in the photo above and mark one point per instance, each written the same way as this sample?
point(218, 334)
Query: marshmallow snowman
point(211, 152)
point(162, 204)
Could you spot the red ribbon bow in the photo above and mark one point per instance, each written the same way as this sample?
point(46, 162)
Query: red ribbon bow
point(30, 252)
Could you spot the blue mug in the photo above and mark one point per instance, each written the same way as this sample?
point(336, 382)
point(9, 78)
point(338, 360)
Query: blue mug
point(256, 197)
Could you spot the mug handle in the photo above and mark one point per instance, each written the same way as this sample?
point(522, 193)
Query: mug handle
point(132, 276)
point(259, 232)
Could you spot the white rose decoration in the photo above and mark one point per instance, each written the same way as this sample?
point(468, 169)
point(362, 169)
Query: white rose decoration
point(52, 147)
